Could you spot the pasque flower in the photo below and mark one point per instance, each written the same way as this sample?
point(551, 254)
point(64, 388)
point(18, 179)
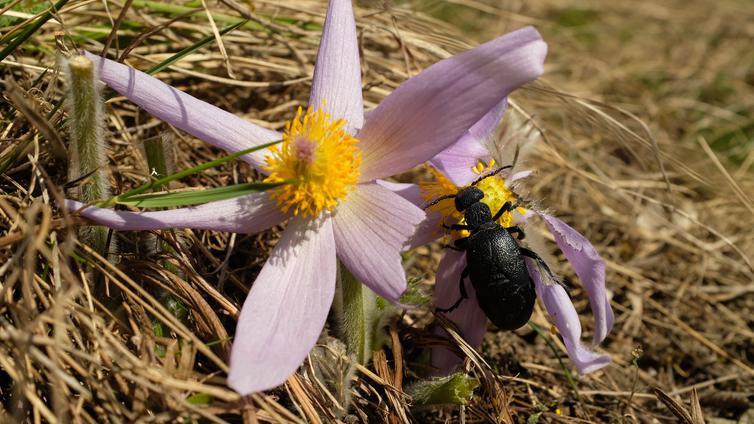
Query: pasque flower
point(335, 208)
point(460, 165)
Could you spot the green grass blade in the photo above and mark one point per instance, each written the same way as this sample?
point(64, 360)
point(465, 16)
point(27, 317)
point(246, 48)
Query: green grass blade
point(192, 48)
point(566, 370)
point(30, 29)
point(7, 161)
point(185, 173)
point(197, 197)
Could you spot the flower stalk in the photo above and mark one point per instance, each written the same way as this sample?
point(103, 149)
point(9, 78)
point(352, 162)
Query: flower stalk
point(159, 161)
point(160, 164)
point(87, 151)
point(356, 315)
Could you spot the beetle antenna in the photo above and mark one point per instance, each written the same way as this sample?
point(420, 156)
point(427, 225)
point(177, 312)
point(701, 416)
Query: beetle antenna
point(501, 169)
point(515, 155)
point(490, 174)
point(438, 200)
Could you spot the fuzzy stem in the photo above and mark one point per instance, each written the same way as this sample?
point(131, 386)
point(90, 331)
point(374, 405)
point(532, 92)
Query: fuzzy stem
point(160, 164)
point(356, 313)
point(87, 158)
point(158, 157)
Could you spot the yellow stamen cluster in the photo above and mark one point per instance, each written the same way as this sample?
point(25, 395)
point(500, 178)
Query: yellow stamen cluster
point(437, 187)
point(320, 157)
point(480, 167)
point(496, 193)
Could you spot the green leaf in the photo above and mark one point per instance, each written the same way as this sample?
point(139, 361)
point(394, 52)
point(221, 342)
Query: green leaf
point(199, 399)
point(414, 294)
point(454, 389)
point(534, 418)
point(197, 197)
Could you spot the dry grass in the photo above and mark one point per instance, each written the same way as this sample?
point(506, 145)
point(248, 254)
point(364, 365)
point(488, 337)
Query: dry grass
point(646, 126)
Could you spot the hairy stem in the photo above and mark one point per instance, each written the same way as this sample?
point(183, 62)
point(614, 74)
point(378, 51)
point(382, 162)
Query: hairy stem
point(356, 313)
point(87, 150)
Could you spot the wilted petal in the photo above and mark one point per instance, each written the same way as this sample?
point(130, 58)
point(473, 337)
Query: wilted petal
point(337, 72)
point(430, 111)
point(246, 214)
point(286, 308)
point(371, 228)
point(591, 271)
point(457, 161)
point(469, 317)
point(200, 119)
point(560, 308)
point(429, 229)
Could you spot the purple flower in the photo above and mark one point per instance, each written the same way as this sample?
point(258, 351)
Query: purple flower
point(335, 209)
point(461, 164)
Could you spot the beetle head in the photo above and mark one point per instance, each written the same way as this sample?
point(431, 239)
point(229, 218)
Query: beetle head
point(467, 197)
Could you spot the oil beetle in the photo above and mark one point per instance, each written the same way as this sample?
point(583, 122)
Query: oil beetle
point(495, 261)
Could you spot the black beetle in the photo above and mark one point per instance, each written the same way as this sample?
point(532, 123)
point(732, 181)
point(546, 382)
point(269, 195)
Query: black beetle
point(495, 262)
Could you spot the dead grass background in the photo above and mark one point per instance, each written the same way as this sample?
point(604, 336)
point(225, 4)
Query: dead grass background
point(645, 113)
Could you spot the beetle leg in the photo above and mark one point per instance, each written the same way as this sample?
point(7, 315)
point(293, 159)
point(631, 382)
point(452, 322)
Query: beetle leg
point(456, 227)
point(452, 247)
point(461, 243)
point(507, 207)
point(516, 230)
point(458, 244)
point(464, 274)
point(533, 255)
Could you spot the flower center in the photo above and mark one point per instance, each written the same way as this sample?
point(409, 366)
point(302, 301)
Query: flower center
point(320, 157)
point(440, 186)
point(496, 194)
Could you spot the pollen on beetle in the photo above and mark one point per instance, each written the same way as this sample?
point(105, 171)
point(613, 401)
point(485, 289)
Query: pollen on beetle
point(320, 157)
